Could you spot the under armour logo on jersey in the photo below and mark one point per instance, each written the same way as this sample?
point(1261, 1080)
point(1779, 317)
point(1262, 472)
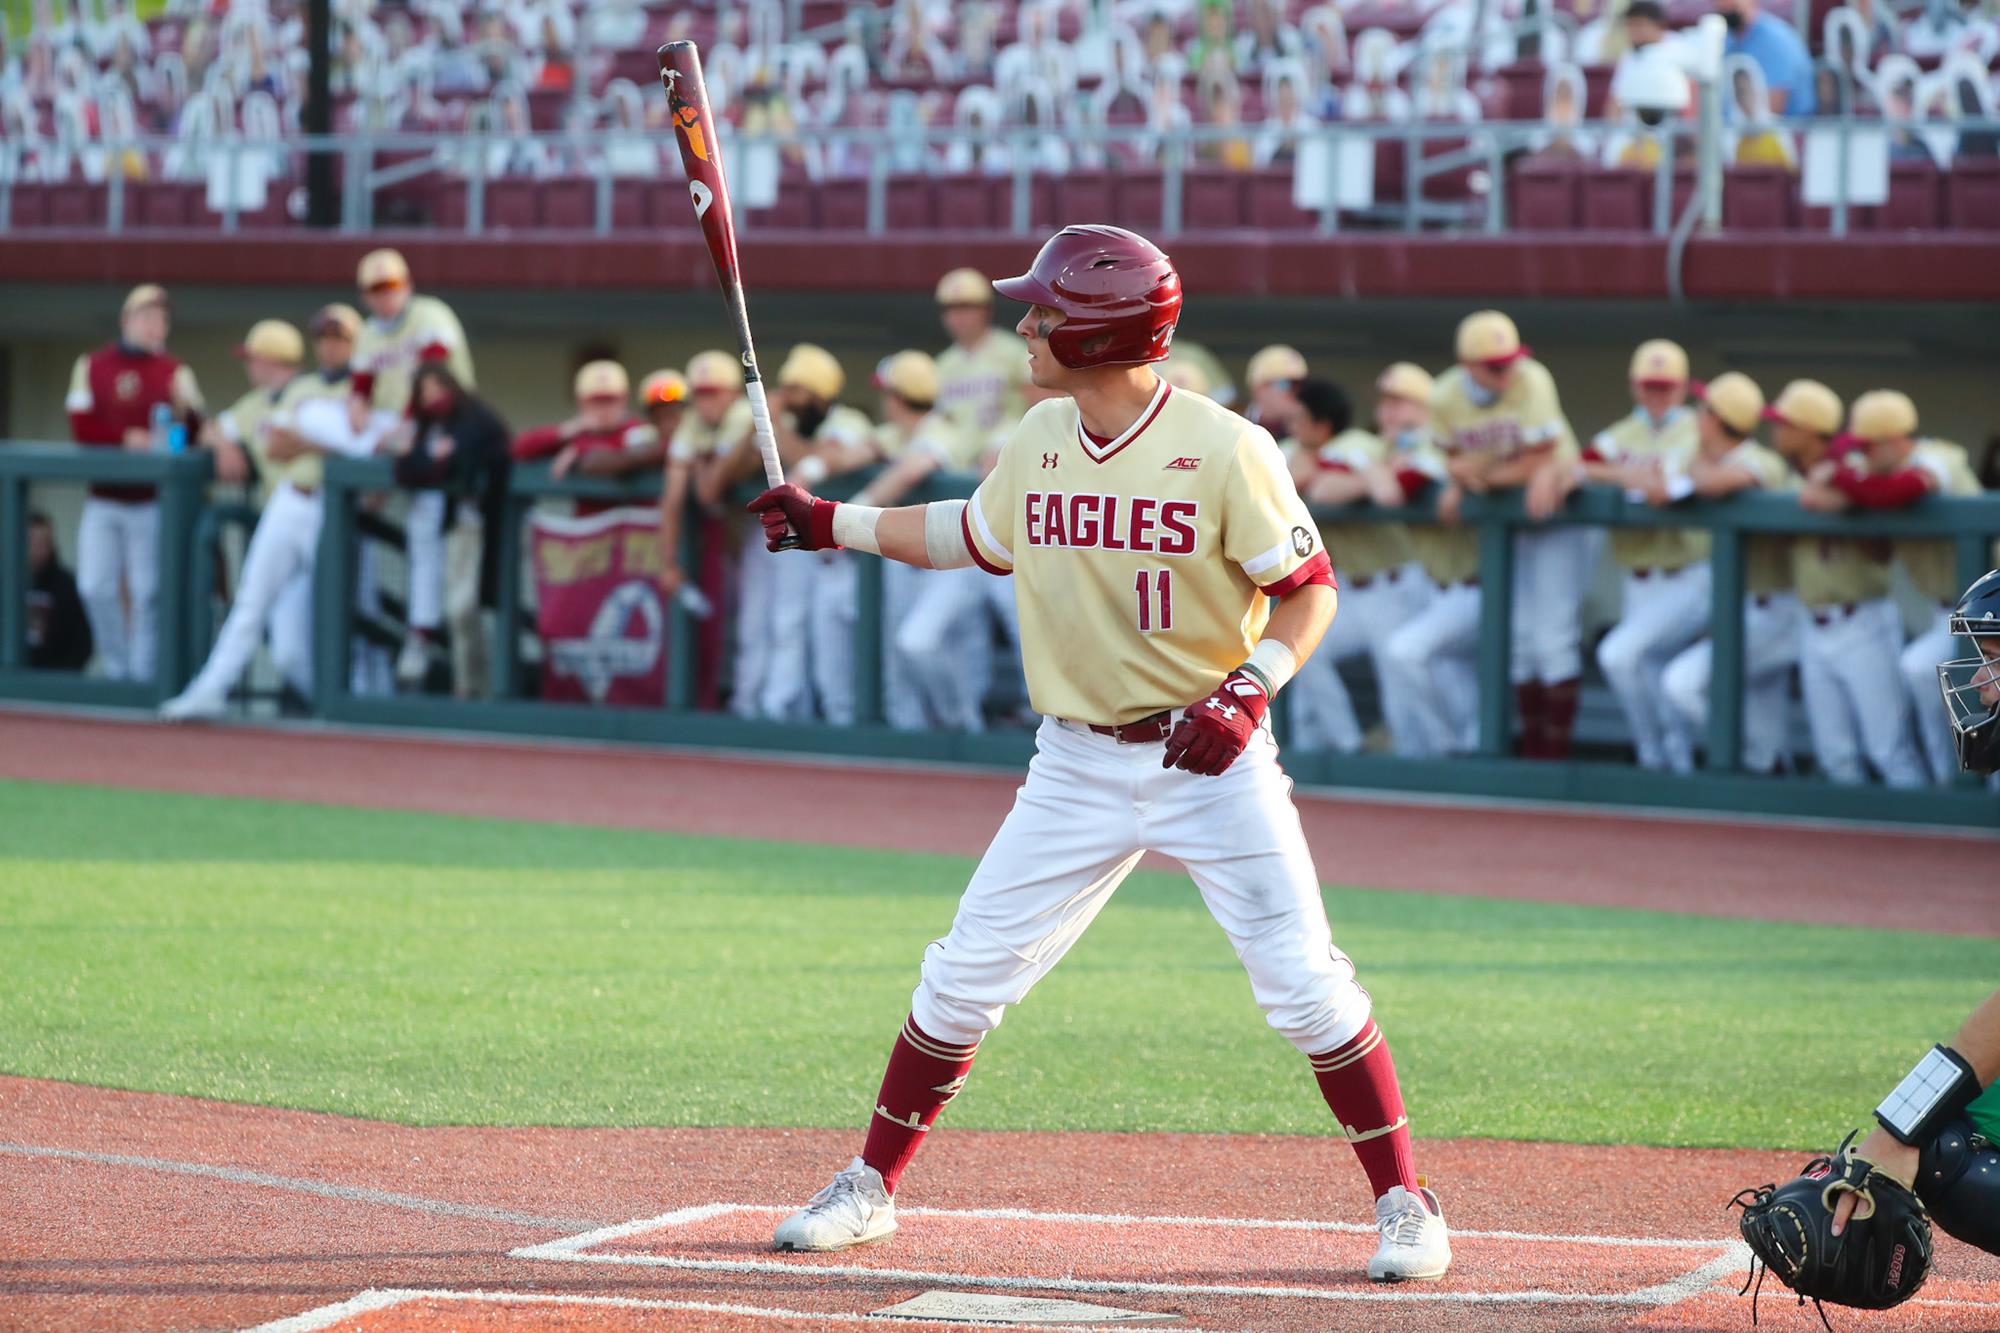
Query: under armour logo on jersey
point(1183, 465)
point(1050, 460)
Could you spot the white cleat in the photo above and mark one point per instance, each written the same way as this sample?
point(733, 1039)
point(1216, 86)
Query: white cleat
point(1415, 1246)
point(854, 1210)
point(413, 663)
point(187, 706)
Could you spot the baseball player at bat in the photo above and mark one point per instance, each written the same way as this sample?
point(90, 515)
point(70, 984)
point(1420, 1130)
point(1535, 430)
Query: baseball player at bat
point(1146, 531)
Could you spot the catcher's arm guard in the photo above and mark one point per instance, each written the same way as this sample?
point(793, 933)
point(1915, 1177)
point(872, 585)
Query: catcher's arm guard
point(1879, 1261)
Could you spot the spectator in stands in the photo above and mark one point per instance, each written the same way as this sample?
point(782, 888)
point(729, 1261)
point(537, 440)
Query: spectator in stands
point(1266, 37)
point(603, 438)
point(1563, 98)
point(1327, 53)
point(1758, 141)
point(58, 631)
point(1942, 28)
point(556, 69)
point(1895, 86)
point(1974, 98)
point(1222, 108)
point(1373, 95)
point(1656, 90)
point(1286, 121)
point(497, 54)
point(1775, 46)
point(1157, 47)
point(1645, 26)
point(457, 449)
point(1214, 39)
point(1442, 95)
point(129, 394)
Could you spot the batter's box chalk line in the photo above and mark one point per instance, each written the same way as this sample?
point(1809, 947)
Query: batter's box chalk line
point(1728, 1256)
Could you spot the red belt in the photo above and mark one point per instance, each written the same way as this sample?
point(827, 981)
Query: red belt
point(1143, 732)
point(1386, 576)
point(1833, 613)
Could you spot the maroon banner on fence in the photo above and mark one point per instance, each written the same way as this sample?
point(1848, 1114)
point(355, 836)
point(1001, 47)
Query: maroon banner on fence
point(599, 611)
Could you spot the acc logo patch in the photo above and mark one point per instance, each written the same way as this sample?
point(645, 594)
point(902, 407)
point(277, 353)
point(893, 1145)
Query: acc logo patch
point(1302, 542)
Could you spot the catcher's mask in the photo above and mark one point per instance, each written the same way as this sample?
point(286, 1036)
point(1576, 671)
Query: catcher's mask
point(1971, 685)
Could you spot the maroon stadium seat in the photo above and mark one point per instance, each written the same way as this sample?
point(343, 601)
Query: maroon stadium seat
point(841, 205)
point(75, 204)
point(1389, 172)
point(1085, 196)
point(1916, 196)
point(628, 205)
point(447, 208)
point(1596, 90)
point(1615, 199)
point(1136, 201)
point(1045, 203)
point(160, 203)
point(511, 205)
point(1757, 198)
point(910, 204)
point(1521, 85)
point(1544, 193)
point(569, 204)
point(793, 210)
point(277, 213)
point(1972, 194)
point(545, 105)
point(975, 203)
point(1213, 198)
point(29, 205)
point(1270, 206)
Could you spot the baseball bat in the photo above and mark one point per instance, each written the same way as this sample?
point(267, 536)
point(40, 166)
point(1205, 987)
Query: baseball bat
point(701, 157)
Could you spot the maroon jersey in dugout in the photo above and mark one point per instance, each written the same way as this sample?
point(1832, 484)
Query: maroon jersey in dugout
point(115, 389)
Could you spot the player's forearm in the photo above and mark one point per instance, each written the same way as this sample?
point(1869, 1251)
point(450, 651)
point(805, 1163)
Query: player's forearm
point(1337, 486)
point(1979, 1040)
point(1302, 619)
point(897, 481)
point(1517, 471)
point(673, 504)
point(900, 532)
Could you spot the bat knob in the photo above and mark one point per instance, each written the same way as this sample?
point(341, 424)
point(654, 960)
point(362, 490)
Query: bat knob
point(790, 542)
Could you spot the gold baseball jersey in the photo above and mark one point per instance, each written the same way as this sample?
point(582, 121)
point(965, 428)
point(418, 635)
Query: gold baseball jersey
point(307, 470)
point(1671, 443)
point(844, 425)
point(1767, 561)
point(1450, 555)
point(1142, 563)
point(245, 422)
point(695, 438)
point(1931, 565)
point(985, 389)
point(391, 350)
point(1525, 415)
point(1360, 551)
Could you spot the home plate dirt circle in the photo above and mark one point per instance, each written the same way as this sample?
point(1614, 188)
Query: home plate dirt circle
point(132, 1211)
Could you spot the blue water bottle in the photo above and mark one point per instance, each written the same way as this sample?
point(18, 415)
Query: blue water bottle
point(163, 420)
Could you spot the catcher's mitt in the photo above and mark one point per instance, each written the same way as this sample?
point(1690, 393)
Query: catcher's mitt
point(1879, 1260)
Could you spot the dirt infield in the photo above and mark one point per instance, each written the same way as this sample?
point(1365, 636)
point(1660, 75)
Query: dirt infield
point(134, 1211)
point(1763, 871)
point(141, 1212)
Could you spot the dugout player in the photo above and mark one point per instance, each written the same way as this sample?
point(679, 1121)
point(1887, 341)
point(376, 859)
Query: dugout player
point(982, 377)
point(1272, 376)
point(604, 438)
point(113, 394)
point(1501, 426)
point(1646, 454)
point(1146, 531)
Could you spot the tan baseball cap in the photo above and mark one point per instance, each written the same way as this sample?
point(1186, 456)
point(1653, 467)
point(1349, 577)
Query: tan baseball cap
point(1736, 401)
point(663, 386)
point(145, 294)
point(1809, 405)
point(1487, 337)
point(1405, 379)
point(910, 375)
point(1276, 362)
point(1184, 374)
point(382, 268)
point(715, 370)
point(812, 368)
point(1882, 414)
point(1660, 361)
point(964, 286)
point(337, 318)
point(274, 340)
point(603, 379)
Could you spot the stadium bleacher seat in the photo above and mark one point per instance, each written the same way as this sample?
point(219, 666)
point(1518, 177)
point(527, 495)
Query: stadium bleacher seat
point(75, 204)
point(569, 203)
point(1270, 203)
point(1972, 194)
point(1213, 199)
point(1137, 201)
point(513, 204)
point(1757, 198)
point(1085, 194)
point(841, 205)
point(973, 203)
point(1544, 192)
point(909, 204)
point(165, 204)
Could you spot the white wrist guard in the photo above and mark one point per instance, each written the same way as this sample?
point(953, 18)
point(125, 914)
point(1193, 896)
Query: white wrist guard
point(944, 534)
point(1929, 1097)
point(1272, 663)
point(854, 527)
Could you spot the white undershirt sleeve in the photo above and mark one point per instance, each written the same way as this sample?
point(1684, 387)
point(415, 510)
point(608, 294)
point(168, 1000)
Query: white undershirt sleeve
point(944, 534)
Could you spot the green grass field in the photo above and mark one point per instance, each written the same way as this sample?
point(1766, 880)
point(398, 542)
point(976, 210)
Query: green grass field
point(440, 970)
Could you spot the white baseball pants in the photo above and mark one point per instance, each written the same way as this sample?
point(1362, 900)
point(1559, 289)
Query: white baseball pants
point(118, 545)
point(902, 702)
point(833, 593)
point(943, 646)
point(1089, 809)
point(1665, 611)
point(423, 535)
point(370, 668)
point(1321, 714)
point(1435, 660)
point(1552, 571)
point(1853, 691)
point(274, 594)
point(1771, 630)
point(1919, 664)
point(756, 625)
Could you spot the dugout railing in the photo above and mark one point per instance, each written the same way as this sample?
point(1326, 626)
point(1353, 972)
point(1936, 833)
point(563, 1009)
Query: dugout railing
point(1969, 523)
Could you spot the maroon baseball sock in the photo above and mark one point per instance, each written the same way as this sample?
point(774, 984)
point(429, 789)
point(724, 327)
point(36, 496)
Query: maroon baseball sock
point(1559, 702)
point(1529, 704)
point(1358, 1080)
point(923, 1075)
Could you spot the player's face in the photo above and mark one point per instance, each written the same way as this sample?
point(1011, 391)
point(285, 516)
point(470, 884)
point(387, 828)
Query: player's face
point(600, 412)
point(334, 350)
point(1277, 409)
point(147, 326)
point(1889, 455)
point(1492, 376)
point(432, 395)
point(1043, 368)
point(41, 545)
point(711, 405)
point(1658, 398)
point(1395, 414)
point(965, 323)
point(386, 299)
point(1988, 678)
point(666, 418)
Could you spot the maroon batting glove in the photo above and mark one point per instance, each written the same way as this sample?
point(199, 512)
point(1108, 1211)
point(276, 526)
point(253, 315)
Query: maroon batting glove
point(1213, 732)
point(789, 509)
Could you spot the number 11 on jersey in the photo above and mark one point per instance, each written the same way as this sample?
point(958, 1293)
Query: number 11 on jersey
point(1156, 599)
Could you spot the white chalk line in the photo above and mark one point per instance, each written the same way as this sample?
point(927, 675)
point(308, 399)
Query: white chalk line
point(346, 1193)
point(368, 1301)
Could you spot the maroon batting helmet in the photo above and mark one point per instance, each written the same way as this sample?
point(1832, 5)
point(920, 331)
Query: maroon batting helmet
point(1119, 296)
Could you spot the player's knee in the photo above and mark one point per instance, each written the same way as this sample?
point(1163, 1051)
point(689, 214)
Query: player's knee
point(953, 1019)
point(1960, 1185)
point(1619, 654)
point(1685, 688)
point(1322, 1020)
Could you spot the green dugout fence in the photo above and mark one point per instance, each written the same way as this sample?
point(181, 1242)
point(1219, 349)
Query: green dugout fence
point(189, 524)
